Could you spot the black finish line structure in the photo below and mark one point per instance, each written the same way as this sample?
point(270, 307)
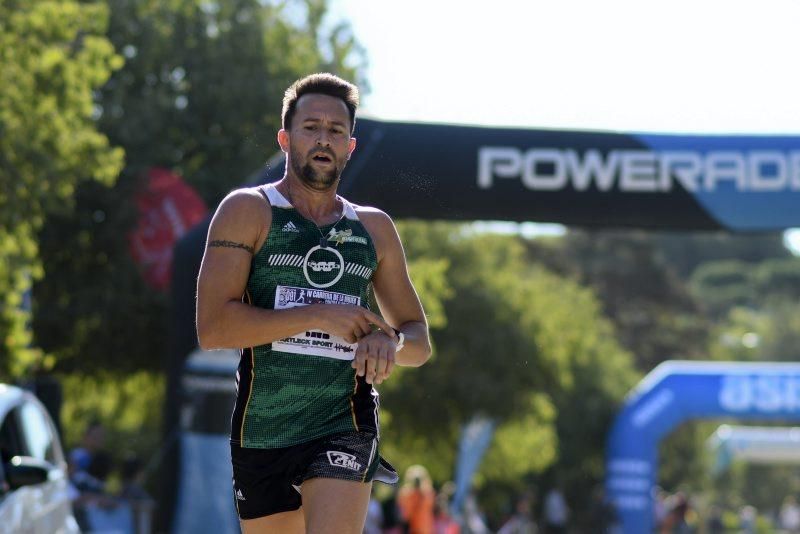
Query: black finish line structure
point(734, 183)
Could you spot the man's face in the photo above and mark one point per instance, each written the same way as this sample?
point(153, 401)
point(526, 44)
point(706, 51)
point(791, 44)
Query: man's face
point(319, 142)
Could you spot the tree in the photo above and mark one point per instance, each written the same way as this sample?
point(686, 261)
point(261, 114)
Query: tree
point(200, 93)
point(755, 307)
point(53, 55)
point(522, 345)
point(654, 314)
point(684, 252)
point(722, 285)
point(203, 83)
point(778, 280)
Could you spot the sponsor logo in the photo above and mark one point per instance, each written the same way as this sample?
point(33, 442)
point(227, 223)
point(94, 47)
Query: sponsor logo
point(345, 236)
point(240, 495)
point(342, 459)
point(760, 393)
point(338, 236)
point(290, 227)
point(326, 266)
point(640, 171)
point(653, 407)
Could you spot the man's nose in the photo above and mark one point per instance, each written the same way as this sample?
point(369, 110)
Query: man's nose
point(323, 139)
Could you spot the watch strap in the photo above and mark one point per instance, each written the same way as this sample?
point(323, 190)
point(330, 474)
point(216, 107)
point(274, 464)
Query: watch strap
point(401, 339)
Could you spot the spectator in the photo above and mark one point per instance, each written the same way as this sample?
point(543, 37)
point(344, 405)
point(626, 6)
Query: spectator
point(556, 511)
point(659, 506)
point(789, 515)
point(473, 521)
point(416, 499)
point(374, 521)
point(443, 522)
point(602, 515)
point(132, 479)
point(135, 497)
point(521, 522)
point(747, 519)
point(94, 439)
point(676, 521)
point(392, 518)
point(714, 524)
point(91, 495)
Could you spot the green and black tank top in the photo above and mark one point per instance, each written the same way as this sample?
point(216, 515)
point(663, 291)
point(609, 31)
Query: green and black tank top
point(303, 387)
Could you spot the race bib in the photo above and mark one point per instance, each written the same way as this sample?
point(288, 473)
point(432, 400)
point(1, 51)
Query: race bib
point(314, 342)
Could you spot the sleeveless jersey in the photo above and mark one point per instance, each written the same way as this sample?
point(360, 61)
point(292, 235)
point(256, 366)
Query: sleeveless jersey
point(303, 387)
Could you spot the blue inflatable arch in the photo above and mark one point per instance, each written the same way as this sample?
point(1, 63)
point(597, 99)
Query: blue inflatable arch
point(680, 391)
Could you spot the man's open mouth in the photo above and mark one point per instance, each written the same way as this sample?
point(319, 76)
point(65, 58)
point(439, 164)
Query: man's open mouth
point(322, 158)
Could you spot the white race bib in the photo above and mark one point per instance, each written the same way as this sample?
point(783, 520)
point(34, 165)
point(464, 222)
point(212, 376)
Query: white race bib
point(314, 342)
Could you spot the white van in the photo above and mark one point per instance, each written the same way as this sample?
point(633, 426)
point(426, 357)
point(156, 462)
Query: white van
point(34, 494)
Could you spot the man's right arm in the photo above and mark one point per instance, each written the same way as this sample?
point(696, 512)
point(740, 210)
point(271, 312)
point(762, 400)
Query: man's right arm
point(223, 320)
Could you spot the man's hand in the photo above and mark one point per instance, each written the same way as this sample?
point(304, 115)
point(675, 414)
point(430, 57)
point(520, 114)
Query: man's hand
point(374, 358)
point(349, 321)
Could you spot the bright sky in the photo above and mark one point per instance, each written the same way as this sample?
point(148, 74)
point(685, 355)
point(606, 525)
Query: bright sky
point(700, 66)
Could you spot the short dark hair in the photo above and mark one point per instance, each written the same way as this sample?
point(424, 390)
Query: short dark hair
point(323, 83)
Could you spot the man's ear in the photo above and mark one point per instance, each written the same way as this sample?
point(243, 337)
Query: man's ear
point(283, 140)
point(351, 147)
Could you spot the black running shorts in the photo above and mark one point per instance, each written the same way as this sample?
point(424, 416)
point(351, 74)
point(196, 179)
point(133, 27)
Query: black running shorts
point(267, 481)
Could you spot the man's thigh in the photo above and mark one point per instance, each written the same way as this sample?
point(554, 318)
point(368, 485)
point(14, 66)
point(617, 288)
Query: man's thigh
point(282, 523)
point(262, 484)
point(335, 506)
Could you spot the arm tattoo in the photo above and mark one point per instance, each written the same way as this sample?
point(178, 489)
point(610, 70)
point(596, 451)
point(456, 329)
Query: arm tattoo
point(230, 244)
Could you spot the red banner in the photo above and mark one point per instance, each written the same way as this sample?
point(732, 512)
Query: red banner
point(168, 207)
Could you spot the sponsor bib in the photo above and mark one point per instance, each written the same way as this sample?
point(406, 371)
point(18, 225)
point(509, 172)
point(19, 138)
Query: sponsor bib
point(314, 342)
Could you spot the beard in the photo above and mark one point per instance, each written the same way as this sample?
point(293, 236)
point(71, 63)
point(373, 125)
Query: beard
point(315, 178)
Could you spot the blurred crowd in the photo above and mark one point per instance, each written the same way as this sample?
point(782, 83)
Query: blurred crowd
point(417, 507)
point(678, 514)
point(107, 497)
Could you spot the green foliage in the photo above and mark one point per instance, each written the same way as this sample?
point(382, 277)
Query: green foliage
point(53, 55)
point(521, 345)
point(93, 309)
point(768, 333)
point(503, 461)
point(780, 340)
point(124, 404)
point(430, 280)
point(778, 280)
point(206, 79)
point(738, 336)
point(756, 306)
point(724, 284)
point(654, 314)
point(684, 252)
point(761, 486)
point(200, 93)
point(688, 463)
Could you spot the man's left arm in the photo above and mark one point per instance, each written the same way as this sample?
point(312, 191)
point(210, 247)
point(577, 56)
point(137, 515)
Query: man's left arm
point(398, 302)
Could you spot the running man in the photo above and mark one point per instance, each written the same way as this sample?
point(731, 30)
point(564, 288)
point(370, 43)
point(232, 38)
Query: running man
point(287, 277)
